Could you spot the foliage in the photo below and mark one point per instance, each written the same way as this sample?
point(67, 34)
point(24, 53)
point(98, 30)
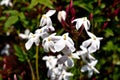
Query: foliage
point(25, 14)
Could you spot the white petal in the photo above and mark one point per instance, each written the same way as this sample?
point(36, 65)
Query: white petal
point(86, 43)
point(84, 68)
point(28, 44)
point(75, 55)
point(66, 50)
point(37, 41)
point(69, 62)
point(50, 12)
point(43, 20)
point(91, 35)
point(70, 46)
point(45, 58)
point(62, 59)
point(51, 28)
point(61, 15)
point(88, 23)
point(59, 45)
point(90, 73)
point(27, 31)
point(23, 36)
point(49, 73)
point(85, 25)
point(49, 22)
point(79, 23)
point(92, 48)
point(46, 46)
point(52, 47)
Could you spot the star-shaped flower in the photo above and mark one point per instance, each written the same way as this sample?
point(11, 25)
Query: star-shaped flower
point(32, 38)
point(25, 35)
point(93, 43)
point(90, 67)
point(82, 21)
point(65, 75)
point(49, 42)
point(51, 61)
point(65, 41)
point(45, 20)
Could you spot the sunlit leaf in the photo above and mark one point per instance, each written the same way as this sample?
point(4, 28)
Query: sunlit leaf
point(108, 33)
point(10, 21)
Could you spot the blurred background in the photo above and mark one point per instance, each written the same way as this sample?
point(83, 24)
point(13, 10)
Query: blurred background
point(19, 15)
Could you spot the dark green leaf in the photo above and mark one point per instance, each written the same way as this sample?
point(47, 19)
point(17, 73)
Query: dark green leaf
point(19, 53)
point(10, 21)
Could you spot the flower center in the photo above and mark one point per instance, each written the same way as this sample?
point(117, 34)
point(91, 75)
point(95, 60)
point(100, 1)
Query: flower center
point(84, 18)
point(32, 35)
point(49, 39)
point(44, 16)
point(64, 37)
point(40, 31)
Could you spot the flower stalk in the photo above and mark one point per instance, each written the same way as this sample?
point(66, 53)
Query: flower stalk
point(37, 71)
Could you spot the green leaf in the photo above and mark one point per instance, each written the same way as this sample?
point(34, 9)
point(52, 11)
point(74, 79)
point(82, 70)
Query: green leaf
point(2, 18)
point(33, 3)
point(110, 46)
point(19, 53)
point(10, 21)
point(47, 3)
point(108, 33)
point(22, 16)
point(100, 19)
point(12, 12)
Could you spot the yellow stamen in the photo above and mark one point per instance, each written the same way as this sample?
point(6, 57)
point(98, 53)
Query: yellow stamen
point(49, 39)
point(44, 16)
point(64, 37)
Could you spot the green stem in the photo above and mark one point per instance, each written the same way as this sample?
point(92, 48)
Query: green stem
point(32, 72)
point(31, 68)
point(37, 71)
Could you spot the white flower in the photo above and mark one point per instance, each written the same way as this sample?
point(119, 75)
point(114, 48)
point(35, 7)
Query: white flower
point(51, 61)
point(6, 3)
point(6, 50)
point(93, 43)
point(43, 32)
point(65, 41)
point(32, 38)
point(83, 51)
point(82, 21)
point(68, 59)
point(65, 75)
point(25, 35)
point(45, 20)
point(61, 15)
point(49, 42)
point(90, 67)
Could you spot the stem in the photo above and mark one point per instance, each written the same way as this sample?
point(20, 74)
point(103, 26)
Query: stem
point(32, 72)
point(31, 68)
point(28, 61)
point(37, 71)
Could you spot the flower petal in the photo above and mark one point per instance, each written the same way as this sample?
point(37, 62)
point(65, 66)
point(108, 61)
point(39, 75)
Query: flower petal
point(87, 43)
point(62, 59)
point(28, 44)
point(50, 12)
point(59, 45)
point(92, 48)
point(69, 62)
point(84, 68)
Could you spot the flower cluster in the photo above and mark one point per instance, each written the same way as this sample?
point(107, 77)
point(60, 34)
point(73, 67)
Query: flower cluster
point(64, 45)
